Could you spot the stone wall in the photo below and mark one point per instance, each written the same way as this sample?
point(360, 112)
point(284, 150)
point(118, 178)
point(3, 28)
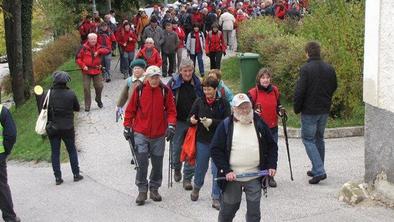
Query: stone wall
point(379, 143)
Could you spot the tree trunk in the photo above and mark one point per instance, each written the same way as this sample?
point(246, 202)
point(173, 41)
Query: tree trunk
point(13, 36)
point(27, 9)
point(109, 5)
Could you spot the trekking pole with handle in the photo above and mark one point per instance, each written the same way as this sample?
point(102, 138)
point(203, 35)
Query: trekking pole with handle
point(245, 175)
point(170, 166)
point(284, 120)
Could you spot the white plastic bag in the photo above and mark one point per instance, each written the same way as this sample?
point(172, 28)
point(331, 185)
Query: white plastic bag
point(42, 119)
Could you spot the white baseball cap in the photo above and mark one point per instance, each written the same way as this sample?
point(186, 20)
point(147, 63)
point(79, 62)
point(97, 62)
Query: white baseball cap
point(153, 71)
point(239, 99)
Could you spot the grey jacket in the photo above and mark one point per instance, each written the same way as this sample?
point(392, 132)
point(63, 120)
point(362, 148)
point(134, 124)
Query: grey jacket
point(171, 42)
point(191, 43)
point(155, 34)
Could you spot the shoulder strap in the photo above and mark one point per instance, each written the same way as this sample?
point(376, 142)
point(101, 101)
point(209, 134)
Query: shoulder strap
point(226, 122)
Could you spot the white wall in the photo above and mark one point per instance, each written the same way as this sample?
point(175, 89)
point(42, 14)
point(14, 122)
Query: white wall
point(379, 54)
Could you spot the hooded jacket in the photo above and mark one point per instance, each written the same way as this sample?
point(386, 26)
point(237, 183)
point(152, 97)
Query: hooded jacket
point(86, 58)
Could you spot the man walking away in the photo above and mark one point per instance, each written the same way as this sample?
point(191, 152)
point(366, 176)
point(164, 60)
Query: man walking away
point(312, 98)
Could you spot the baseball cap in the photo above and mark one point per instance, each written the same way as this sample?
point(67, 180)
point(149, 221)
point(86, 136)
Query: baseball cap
point(140, 9)
point(153, 71)
point(239, 99)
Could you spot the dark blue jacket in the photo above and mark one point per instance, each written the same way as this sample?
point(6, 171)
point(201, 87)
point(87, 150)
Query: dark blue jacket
point(9, 131)
point(222, 141)
point(176, 82)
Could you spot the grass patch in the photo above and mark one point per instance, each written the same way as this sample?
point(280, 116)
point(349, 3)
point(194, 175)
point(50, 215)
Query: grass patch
point(230, 72)
point(30, 146)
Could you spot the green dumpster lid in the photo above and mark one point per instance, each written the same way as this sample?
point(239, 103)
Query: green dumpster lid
point(247, 55)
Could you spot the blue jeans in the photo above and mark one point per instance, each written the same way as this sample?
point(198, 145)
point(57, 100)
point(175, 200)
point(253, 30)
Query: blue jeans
point(55, 142)
point(202, 162)
point(176, 147)
point(200, 62)
point(106, 63)
point(126, 59)
point(312, 133)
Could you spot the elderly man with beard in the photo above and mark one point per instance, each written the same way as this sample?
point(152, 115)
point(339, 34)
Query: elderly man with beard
point(242, 144)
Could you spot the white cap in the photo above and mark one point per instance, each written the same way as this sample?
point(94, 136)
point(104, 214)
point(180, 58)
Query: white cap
point(153, 71)
point(239, 99)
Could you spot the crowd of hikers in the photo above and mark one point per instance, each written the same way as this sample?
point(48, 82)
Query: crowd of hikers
point(204, 123)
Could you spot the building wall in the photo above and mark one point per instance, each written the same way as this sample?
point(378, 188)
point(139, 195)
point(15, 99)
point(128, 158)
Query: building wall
point(379, 88)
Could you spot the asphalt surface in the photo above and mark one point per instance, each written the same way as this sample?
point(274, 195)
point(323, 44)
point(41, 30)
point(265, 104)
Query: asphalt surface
point(108, 192)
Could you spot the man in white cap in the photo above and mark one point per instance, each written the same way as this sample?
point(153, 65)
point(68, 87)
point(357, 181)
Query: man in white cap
point(150, 118)
point(242, 144)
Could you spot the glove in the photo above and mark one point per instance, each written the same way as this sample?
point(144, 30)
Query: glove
point(224, 53)
point(170, 132)
point(206, 122)
point(127, 133)
point(282, 111)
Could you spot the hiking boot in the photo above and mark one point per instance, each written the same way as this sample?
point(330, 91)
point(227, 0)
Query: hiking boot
point(59, 181)
point(108, 80)
point(177, 175)
point(187, 185)
point(316, 179)
point(154, 195)
point(195, 194)
point(142, 196)
point(99, 103)
point(132, 162)
point(271, 182)
point(78, 177)
point(309, 173)
point(216, 204)
point(15, 219)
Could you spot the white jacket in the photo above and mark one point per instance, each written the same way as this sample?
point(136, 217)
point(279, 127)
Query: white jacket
point(227, 20)
point(191, 42)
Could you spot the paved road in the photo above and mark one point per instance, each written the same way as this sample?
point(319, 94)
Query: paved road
point(108, 192)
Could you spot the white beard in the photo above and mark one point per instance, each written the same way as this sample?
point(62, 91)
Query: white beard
point(244, 119)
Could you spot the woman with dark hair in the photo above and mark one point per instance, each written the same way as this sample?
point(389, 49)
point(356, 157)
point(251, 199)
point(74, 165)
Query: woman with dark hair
point(215, 46)
point(265, 98)
point(206, 113)
point(61, 106)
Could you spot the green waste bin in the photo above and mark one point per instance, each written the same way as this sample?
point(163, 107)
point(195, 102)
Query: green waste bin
point(249, 66)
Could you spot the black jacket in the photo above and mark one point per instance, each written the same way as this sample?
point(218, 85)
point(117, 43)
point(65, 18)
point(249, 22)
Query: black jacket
point(9, 131)
point(219, 110)
point(222, 142)
point(62, 104)
point(315, 87)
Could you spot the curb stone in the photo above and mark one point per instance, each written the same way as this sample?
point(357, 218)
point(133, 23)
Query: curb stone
point(339, 132)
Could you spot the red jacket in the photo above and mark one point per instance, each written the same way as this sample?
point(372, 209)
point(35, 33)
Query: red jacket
point(154, 112)
point(280, 11)
point(130, 38)
point(181, 35)
point(266, 103)
point(86, 28)
point(197, 18)
point(154, 60)
point(86, 58)
point(215, 42)
point(106, 39)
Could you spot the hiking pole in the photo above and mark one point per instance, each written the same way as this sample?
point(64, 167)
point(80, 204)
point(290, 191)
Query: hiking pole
point(134, 156)
point(284, 120)
point(170, 166)
point(245, 175)
point(72, 70)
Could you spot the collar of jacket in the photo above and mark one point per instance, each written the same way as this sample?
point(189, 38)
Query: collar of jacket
point(179, 81)
point(314, 58)
point(268, 89)
point(133, 78)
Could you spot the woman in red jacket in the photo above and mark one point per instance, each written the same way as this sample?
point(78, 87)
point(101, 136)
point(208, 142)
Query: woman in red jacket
point(150, 54)
point(181, 47)
point(266, 101)
point(215, 46)
point(127, 40)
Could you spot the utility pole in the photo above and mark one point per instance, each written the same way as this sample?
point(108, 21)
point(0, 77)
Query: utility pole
point(94, 6)
point(109, 5)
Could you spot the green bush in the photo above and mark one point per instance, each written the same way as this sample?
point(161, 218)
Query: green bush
point(54, 55)
point(337, 25)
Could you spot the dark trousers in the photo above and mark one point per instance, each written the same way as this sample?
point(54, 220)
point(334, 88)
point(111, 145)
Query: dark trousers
point(69, 140)
point(168, 68)
point(215, 59)
point(6, 205)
